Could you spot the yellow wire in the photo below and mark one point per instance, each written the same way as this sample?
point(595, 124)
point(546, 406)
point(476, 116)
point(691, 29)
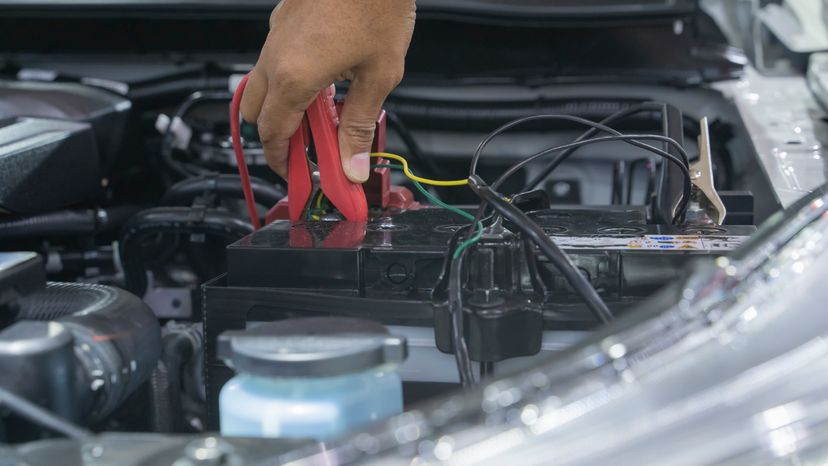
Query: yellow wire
point(414, 177)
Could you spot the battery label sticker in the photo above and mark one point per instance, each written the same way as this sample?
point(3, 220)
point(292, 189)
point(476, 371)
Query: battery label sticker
point(653, 242)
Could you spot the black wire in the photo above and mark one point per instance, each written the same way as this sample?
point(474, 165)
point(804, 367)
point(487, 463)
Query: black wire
point(614, 118)
point(583, 121)
point(36, 414)
point(635, 140)
point(679, 162)
point(548, 247)
point(455, 303)
point(672, 158)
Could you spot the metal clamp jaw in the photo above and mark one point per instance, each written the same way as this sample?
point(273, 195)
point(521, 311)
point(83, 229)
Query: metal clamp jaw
point(705, 199)
point(319, 130)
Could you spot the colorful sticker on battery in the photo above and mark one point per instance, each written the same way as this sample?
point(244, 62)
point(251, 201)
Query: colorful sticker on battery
point(652, 242)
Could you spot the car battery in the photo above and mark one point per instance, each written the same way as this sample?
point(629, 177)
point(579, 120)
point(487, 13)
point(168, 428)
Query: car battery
point(386, 270)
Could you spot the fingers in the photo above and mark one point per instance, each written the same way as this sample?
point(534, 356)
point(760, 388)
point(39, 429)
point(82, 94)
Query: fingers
point(254, 95)
point(278, 119)
point(359, 116)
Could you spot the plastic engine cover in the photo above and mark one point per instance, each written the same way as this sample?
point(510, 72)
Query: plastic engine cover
point(46, 165)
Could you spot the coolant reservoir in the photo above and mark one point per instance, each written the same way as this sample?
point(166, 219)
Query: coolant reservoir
point(313, 378)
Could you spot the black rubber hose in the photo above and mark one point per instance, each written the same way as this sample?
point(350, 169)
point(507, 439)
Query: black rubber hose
point(36, 414)
point(117, 340)
point(185, 192)
point(67, 222)
point(160, 417)
point(551, 250)
point(178, 220)
point(176, 350)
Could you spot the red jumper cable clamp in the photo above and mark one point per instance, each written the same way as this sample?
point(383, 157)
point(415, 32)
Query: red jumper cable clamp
point(305, 178)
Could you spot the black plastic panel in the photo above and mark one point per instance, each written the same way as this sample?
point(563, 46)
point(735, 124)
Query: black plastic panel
point(46, 165)
point(107, 113)
point(21, 274)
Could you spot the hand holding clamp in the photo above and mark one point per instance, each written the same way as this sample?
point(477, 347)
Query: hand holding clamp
point(306, 178)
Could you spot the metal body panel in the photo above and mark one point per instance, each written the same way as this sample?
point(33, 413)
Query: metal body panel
point(786, 126)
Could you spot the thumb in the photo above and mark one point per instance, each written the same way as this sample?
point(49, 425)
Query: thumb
point(356, 128)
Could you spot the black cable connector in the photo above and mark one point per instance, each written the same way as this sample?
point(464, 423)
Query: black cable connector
point(548, 247)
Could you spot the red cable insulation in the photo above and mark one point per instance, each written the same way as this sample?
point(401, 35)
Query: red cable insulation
point(235, 136)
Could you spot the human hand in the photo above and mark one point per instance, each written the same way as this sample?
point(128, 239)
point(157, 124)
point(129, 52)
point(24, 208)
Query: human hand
point(313, 43)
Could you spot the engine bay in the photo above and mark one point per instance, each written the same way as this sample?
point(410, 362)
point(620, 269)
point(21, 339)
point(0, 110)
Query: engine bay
point(597, 164)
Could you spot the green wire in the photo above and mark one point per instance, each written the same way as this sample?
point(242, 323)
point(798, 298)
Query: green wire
point(434, 200)
point(465, 244)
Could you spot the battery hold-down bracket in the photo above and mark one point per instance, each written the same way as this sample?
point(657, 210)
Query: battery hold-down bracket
point(502, 299)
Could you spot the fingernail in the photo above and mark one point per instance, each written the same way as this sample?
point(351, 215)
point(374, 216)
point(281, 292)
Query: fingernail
point(360, 166)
